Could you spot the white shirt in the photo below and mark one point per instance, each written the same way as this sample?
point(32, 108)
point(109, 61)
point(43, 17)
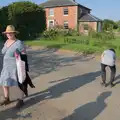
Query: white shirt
point(108, 58)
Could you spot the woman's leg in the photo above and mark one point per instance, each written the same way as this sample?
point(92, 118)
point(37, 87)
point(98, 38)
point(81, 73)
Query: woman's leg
point(20, 102)
point(6, 95)
point(6, 91)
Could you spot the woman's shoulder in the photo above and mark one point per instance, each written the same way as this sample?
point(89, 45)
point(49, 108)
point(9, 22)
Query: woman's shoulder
point(19, 42)
point(20, 45)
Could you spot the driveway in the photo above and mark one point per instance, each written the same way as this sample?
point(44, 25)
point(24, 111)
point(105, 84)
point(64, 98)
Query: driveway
point(67, 88)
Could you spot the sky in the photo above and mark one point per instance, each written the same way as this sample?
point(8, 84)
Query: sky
point(103, 9)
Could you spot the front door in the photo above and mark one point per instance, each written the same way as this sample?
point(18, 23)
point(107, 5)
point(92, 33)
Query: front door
point(50, 23)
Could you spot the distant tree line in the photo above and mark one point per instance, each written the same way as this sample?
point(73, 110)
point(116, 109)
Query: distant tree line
point(27, 17)
point(110, 25)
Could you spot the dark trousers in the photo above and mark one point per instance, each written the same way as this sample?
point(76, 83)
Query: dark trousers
point(113, 72)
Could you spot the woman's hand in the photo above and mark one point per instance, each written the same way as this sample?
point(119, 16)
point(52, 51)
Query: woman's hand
point(16, 55)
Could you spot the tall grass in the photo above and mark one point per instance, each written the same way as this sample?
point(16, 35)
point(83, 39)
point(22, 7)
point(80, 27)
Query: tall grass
point(93, 43)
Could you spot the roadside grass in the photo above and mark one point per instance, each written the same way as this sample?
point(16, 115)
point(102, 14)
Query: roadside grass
point(84, 44)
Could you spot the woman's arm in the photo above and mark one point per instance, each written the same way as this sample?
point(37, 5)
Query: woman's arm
point(4, 48)
point(21, 50)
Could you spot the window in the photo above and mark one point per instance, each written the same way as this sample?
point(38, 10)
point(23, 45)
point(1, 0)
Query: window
point(86, 26)
point(51, 23)
point(51, 12)
point(65, 11)
point(66, 24)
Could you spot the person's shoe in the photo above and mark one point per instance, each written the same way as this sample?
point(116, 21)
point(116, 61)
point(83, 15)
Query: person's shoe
point(112, 85)
point(104, 84)
point(6, 101)
point(19, 104)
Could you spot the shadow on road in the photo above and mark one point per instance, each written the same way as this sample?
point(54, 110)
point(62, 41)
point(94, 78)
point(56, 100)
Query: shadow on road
point(46, 60)
point(116, 80)
point(13, 113)
point(66, 85)
point(43, 62)
point(90, 110)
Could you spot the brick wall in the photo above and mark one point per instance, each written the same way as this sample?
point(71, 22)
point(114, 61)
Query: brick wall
point(93, 25)
point(59, 17)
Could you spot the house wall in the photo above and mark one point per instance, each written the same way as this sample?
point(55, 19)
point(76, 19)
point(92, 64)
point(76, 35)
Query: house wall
point(73, 16)
point(59, 17)
point(92, 25)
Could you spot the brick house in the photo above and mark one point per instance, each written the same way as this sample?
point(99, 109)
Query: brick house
point(70, 14)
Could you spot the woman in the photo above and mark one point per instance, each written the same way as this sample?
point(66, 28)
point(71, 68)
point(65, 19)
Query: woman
point(8, 76)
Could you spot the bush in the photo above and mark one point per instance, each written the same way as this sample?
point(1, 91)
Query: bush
point(89, 51)
point(71, 32)
point(119, 29)
point(111, 46)
point(58, 31)
point(102, 35)
point(50, 34)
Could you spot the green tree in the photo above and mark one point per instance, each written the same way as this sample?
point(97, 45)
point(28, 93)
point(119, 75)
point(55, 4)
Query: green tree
point(109, 25)
point(118, 23)
point(3, 18)
point(27, 17)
